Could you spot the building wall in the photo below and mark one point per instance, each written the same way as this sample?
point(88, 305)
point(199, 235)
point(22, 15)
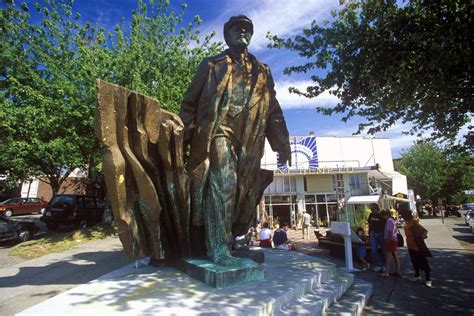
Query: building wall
point(325, 172)
point(72, 185)
point(334, 152)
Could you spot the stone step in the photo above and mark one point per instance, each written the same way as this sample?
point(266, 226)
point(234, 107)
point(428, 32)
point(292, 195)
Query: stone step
point(307, 275)
point(354, 300)
point(294, 283)
point(318, 299)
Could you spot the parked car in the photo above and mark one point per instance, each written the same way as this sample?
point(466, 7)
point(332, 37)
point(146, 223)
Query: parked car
point(13, 229)
point(468, 215)
point(471, 224)
point(19, 205)
point(468, 206)
point(70, 209)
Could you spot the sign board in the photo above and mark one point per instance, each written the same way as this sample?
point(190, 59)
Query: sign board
point(341, 228)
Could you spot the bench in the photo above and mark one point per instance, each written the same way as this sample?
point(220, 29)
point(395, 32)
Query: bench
point(335, 244)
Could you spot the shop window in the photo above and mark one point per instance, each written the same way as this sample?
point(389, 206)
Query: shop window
point(80, 202)
point(331, 197)
point(321, 198)
point(309, 198)
point(280, 199)
point(322, 216)
point(100, 203)
point(287, 185)
point(332, 210)
point(89, 202)
point(355, 182)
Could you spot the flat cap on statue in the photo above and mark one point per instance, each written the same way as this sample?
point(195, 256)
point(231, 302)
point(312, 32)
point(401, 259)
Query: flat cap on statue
point(237, 19)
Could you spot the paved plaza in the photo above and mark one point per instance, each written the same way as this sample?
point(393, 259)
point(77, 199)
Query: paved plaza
point(25, 284)
point(452, 266)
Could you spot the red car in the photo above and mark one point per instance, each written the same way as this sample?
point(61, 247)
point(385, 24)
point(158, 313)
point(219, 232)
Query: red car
point(18, 206)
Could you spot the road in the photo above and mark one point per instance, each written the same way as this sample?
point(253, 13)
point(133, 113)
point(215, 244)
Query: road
point(24, 283)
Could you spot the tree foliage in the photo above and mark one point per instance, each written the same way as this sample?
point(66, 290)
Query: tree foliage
point(435, 173)
point(48, 72)
point(391, 61)
point(459, 172)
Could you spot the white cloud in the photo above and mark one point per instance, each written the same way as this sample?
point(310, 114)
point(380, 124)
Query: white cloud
point(280, 17)
point(293, 101)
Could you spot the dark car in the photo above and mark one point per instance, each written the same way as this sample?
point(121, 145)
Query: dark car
point(19, 205)
point(70, 209)
point(13, 229)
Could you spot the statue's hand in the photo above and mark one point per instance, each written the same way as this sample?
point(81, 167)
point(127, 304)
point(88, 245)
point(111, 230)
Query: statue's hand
point(283, 157)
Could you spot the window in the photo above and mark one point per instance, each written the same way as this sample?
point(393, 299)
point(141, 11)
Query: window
point(355, 182)
point(89, 202)
point(309, 198)
point(100, 203)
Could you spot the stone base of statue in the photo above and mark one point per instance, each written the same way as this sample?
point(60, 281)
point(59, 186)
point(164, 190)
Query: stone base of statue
point(294, 284)
point(255, 253)
point(244, 270)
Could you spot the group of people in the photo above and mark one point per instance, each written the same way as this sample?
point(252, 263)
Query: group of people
point(277, 239)
point(384, 239)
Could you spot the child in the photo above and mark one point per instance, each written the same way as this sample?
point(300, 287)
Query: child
point(362, 249)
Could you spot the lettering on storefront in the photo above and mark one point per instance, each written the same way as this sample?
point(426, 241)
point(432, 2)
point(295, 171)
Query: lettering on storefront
point(317, 170)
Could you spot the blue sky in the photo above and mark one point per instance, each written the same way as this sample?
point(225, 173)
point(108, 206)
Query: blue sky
point(281, 17)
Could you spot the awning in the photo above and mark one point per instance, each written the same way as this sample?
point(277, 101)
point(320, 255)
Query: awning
point(363, 199)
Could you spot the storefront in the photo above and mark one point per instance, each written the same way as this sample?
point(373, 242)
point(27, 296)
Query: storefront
point(325, 173)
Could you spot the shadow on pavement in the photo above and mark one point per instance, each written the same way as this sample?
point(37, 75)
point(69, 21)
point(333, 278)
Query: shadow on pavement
point(81, 268)
point(452, 292)
point(463, 230)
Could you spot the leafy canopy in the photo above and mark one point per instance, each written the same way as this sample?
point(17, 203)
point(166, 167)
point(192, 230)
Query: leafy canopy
point(391, 61)
point(438, 173)
point(48, 72)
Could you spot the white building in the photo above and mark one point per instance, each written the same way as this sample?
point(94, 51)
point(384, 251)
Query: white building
point(329, 176)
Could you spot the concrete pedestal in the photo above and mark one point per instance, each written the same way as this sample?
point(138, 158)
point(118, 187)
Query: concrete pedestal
point(294, 283)
point(219, 277)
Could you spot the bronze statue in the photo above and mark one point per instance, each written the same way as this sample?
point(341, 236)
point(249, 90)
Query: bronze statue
point(225, 116)
point(227, 111)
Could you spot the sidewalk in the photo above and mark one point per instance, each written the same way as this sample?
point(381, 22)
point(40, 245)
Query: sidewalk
point(27, 283)
point(452, 275)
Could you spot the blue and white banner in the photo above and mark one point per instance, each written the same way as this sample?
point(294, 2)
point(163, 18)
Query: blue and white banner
point(304, 154)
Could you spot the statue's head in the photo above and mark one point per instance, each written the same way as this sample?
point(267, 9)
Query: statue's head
point(238, 31)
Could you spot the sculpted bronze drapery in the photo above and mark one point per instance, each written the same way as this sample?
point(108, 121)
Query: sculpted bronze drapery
point(226, 114)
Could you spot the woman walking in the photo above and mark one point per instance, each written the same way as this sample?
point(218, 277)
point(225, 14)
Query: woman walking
point(419, 253)
point(391, 245)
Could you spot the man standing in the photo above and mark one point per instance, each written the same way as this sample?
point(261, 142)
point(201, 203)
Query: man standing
point(305, 224)
point(376, 233)
point(227, 112)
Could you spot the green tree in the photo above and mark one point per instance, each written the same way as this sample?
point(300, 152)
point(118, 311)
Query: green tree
point(459, 174)
point(48, 72)
point(43, 121)
point(391, 61)
point(424, 165)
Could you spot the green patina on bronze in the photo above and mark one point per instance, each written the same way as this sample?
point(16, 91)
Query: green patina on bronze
point(167, 210)
point(243, 271)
